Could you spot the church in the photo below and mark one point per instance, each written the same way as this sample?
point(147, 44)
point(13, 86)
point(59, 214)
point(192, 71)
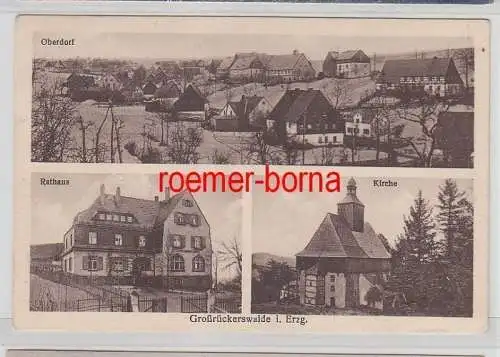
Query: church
point(344, 259)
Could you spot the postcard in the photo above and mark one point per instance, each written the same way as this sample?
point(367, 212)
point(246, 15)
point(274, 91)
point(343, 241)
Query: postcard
point(254, 174)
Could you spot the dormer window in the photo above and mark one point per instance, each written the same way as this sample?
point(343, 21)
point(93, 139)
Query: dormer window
point(142, 241)
point(129, 219)
point(123, 218)
point(118, 239)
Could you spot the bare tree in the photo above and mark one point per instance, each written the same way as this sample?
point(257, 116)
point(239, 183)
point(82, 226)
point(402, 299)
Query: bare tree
point(184, 144)
point(53, 118)
point(230, 256)
point(338, 93)
point(163, 118)
point(258, 151)
point(423, 111)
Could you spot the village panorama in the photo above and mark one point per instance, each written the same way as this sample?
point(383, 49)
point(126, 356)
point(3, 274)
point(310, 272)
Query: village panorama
point(412, 109)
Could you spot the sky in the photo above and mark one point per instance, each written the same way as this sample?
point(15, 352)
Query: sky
point(284, 224)
point(193, 45)
point(54, 207)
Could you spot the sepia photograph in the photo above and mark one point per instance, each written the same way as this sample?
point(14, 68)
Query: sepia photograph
point(254, 98)
point(399, 247)
point(107, 243)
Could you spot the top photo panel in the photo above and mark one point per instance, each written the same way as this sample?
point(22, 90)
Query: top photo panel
point(254, 91)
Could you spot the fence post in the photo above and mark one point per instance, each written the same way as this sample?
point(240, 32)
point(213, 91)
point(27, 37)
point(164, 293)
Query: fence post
point(210, 301)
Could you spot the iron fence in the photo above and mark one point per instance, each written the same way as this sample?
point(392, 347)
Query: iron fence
point(194, 304)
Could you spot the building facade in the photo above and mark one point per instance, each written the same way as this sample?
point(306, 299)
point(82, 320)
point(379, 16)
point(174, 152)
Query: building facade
point(289, 68)
point(125, 240)
point(436, 76)
point(344, 259)
point(347, 64)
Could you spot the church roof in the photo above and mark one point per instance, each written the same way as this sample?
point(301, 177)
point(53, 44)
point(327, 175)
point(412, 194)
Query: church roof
point(335, 239)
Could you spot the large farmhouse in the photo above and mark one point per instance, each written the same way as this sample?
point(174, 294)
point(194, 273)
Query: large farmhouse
point(344, 259)
point(127, 240)
point(306, 116)
point(436, 76)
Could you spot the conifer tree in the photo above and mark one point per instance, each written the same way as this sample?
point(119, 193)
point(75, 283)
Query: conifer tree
point(451, 216)
point(419, 232)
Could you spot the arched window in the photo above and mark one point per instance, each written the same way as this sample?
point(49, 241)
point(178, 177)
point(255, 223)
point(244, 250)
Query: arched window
point(176, 263)
point(198, 264)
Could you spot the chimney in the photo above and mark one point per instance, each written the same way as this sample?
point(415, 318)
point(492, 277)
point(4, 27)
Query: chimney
point(156, 198)
point(101, 194)
point(167, 194)
point(117, 196)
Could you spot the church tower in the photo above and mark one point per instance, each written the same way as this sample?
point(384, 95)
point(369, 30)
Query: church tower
point(352, 209)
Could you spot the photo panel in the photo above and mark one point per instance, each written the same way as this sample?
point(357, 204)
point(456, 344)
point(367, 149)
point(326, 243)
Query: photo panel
point(250, 91)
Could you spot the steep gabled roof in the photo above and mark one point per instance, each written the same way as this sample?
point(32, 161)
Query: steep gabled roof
point(334, 239)
point(300, 105)
point(393, 70)
point(283, 105)
point(281, 62)
point(244, 62)
point(225, 64)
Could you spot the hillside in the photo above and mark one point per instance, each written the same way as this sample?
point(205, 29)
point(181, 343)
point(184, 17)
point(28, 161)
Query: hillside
point(261, 259)
point(46, 251)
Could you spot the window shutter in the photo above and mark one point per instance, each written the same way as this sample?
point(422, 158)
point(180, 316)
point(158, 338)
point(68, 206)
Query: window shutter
point(202, 240)
point(193, 242)
point(183, 242)
point(85, 263)
point(100, 263)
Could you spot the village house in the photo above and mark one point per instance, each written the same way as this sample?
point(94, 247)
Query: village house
point(191, 105)
point(288, 68)
point(358, 123)
point(109, 81)
point(344, 259)
point(249, 113)
point(435, 76)
point(171, 89)
point(126, 240)
point(455, 138)
point(248, 67)
point(347, 64)
point(307, 117)
point(149, 89)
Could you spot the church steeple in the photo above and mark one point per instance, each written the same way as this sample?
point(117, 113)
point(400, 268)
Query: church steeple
point(352, 209)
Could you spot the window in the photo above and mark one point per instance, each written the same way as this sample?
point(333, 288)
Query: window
point(92, 237)
point(123, 219)
point(366, 131)
point(194, 220)
point(118, 239)
point(116, 218)
point(326, 139)
point(70, 264)
point(92, 263)
point(332, 279)
point(109, 217)
point(179, 219)
point(332, 288)
point(102, 216)
point(187, 203)
point(142, 241)
point(197, 242)
point(118, 263)
point(198, 264)
point(349, 130)
point(176, 263)
point(334, 139)
point(177, 241)
point(129, 219)
point(320, 140)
